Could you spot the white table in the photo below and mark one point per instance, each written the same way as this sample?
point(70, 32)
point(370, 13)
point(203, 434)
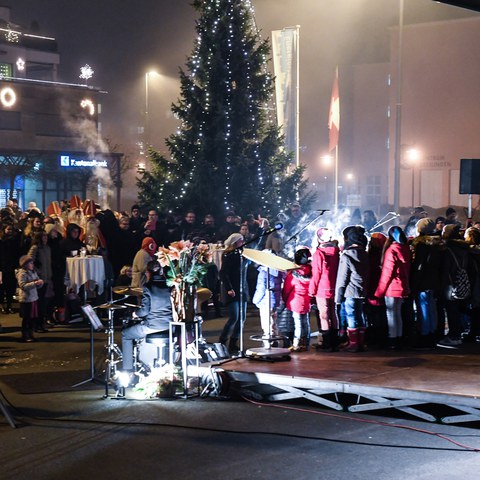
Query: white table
point(80, 270)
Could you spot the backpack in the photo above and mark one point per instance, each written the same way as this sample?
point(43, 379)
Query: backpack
point(459, 288)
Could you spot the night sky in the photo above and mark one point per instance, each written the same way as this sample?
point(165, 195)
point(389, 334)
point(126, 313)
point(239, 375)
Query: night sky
point(122, 39)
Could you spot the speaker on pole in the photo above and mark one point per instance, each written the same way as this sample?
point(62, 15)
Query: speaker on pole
point(470, 176)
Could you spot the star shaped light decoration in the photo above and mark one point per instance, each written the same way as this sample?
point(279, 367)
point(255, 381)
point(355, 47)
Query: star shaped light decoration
point(20, 64)
point(86, 72)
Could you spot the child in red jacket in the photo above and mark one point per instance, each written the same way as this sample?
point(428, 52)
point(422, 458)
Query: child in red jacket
point(297, 300)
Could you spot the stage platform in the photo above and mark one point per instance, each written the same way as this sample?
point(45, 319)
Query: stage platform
point(439, 385)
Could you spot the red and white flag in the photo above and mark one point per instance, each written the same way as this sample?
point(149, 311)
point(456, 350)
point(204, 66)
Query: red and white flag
point(334, 116)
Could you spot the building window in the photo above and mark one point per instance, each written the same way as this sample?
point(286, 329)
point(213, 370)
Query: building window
point(6, 70)
point(373, 189)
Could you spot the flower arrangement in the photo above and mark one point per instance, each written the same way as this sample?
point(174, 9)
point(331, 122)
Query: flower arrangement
point(161, 382)
point(188, 264)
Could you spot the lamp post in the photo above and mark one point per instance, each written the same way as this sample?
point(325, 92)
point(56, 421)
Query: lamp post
point(412, 155)
point(147, 123)
point(327, 161)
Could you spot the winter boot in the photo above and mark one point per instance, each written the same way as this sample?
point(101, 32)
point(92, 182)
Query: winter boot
point(353, 341)
point(361, 339)
point(329, 343)
point(233, 346)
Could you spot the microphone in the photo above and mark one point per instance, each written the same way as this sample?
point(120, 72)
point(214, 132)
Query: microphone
point(322, 211)
point(277, 226)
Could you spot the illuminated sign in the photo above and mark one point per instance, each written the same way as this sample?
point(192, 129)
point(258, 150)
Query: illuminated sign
point(68, 161)
point(8, 97)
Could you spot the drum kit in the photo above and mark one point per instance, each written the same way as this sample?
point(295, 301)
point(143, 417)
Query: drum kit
point(148, 353)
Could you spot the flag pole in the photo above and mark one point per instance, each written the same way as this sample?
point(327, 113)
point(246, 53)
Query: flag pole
point(297, 129)
point(336, 180)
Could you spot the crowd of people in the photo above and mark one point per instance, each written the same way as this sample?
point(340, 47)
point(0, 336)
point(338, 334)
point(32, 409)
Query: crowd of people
point(386, 289)
point(362, 287)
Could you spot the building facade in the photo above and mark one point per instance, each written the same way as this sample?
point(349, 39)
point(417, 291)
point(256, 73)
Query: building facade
point(50, 135)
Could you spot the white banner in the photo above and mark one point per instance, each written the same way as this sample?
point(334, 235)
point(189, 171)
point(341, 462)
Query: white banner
point(285, 58)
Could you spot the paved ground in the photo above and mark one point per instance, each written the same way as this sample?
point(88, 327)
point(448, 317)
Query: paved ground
point(75, 433)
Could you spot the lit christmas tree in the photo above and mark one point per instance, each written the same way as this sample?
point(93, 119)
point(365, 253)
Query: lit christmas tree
point(227, 153)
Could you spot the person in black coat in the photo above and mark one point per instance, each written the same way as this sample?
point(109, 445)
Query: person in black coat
point(9, 256)
point(155, 312)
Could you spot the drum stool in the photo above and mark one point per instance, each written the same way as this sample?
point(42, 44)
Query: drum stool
point(158, 348)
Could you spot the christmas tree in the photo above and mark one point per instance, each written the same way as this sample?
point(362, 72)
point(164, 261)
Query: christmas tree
point(227, 153)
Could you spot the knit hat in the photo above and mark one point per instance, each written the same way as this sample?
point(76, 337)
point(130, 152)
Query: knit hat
point(233, 238)
point(354, 235)
point(49, 227)
point(149, 245)
point(451, 231)
point(425, 226)
point(397, 234)
point(302, 255)
point(324, 234)
point(377, 240)
point(24, 259)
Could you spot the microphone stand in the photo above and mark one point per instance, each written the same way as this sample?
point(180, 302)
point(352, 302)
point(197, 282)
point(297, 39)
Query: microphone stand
point(385, 220)
point(242, 274)
point(295, 235)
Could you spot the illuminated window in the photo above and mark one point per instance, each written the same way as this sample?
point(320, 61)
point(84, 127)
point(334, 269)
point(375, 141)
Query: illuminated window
point(6, 70)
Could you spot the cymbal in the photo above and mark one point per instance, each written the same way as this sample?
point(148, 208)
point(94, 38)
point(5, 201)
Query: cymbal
point(111, 306)
point(127, 291)
point(269, 260)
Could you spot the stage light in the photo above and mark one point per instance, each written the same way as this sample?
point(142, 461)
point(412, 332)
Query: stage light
point(123, 378)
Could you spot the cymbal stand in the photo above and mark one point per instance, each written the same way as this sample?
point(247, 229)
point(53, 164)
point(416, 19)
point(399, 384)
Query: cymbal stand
point(294, 237)
point(114, 354)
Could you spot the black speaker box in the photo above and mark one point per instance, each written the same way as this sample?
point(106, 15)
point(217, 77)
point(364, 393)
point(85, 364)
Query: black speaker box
point(470, 175)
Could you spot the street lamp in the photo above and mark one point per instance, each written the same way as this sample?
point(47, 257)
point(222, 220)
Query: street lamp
point(147, 126)
point(412, 155)
point(327, 161)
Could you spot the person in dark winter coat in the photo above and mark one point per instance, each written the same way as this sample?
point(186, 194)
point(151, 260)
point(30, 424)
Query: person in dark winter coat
point(455, 256)
point(351, 285)
point(394, 282)
point(71, 243)
point(425, 280)
point(233, 275)
point(155, 312)
point(9, 256)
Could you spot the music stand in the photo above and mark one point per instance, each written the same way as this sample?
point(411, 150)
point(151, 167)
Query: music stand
point(95, 326)
point(268, 260)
